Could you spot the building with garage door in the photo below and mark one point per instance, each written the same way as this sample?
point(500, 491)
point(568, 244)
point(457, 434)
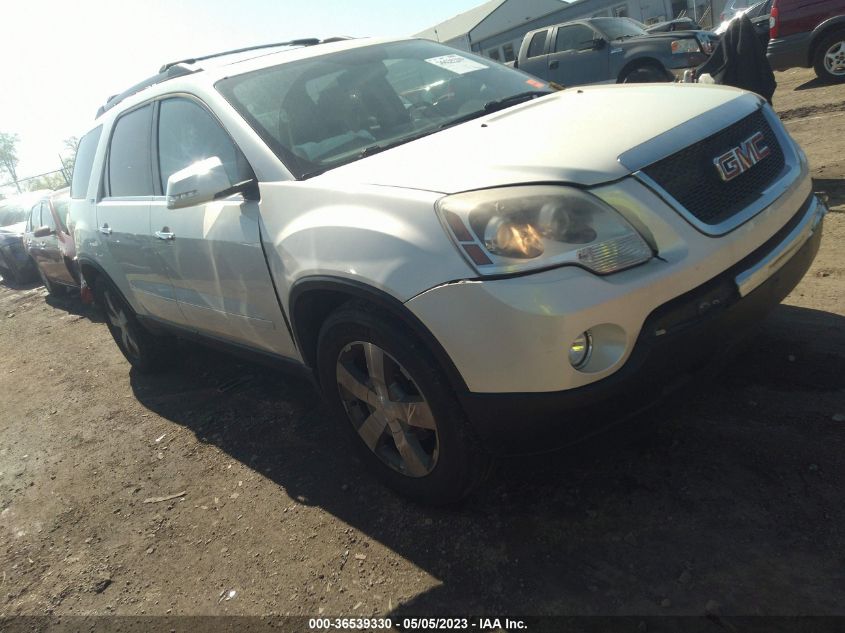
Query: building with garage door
point(495, 29)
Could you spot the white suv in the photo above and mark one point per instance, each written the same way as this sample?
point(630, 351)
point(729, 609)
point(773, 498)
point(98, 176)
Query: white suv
point(467, 262)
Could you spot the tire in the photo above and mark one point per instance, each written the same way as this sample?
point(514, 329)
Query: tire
point(829, 61)
point(52, 289)
point(644, 74)
point(400, 414)
point(146, 352)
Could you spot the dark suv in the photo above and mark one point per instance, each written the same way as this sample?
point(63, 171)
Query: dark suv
point(808, 33)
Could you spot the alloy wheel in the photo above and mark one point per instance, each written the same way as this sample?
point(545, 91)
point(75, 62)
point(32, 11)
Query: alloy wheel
point(834, 59)
point(119, 320)
point(387, 409)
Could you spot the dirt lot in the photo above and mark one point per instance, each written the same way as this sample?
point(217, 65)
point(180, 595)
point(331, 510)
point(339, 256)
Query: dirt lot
point(734, 495)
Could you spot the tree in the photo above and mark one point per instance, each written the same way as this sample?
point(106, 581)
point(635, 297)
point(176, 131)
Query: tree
point(9, 156)
point(69, 159)
point(54, 180)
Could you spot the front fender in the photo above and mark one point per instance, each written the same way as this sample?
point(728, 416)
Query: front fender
point(385, 237)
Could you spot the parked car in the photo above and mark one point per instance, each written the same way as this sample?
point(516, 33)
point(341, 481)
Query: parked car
point(50, 245)
point(678, 24)
point(480, 266)
point(759, 16)
point(808, 34)
point(610, 50)
point(15, 265)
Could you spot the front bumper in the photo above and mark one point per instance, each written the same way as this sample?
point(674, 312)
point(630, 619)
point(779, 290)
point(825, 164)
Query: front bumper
point(679, 340)
point(792, 51)
point(15, 258)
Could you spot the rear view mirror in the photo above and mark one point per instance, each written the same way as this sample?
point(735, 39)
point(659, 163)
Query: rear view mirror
point(198, 183)
point(599, 43)
point(42, 231)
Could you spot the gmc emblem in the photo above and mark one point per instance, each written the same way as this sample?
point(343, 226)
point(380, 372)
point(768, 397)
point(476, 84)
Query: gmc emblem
point(738, 160)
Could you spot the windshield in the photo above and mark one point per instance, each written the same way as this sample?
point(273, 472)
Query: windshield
point(618, 28)
point(326, 111)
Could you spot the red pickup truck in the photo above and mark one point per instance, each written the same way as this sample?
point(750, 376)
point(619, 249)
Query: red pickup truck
point(808, 33)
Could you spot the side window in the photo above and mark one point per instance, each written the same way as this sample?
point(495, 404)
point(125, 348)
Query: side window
point(84, 163)
point(538, 44)
point(507, 49)
point(35, 217)
point(60, 205)
point(573, 38)
point(187, 133)
point(47, 217)
point(129, 170)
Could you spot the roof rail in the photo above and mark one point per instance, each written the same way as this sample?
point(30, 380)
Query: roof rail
point(311, 41)
point(181, 67)
point(170, 73)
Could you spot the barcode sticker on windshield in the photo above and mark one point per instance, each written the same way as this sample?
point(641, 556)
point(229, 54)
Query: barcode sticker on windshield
point(456, 63)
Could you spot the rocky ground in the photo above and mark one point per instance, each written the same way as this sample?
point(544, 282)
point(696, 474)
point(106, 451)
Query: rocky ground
point(223, 487)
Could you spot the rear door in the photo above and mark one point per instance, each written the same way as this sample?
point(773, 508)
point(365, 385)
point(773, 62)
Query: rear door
point(123, 218)
point(51, 257)
point(32, 243)
point(213, 252)
point(574, 59)
point(534, 58)
point(53, 245)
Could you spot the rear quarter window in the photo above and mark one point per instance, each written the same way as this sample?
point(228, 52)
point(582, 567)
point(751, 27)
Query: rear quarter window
point(84, 163)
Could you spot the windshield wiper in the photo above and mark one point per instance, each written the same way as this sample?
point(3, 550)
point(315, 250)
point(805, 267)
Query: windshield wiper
point(375, 149)
point(501, 104)
point(496, 105)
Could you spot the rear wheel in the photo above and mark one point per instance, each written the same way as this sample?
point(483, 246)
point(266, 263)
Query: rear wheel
point(829, 63)
point(145, 352)
point(401, 415)
point(645, 74)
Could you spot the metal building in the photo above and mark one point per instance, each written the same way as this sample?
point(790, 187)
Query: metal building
point(495, 28)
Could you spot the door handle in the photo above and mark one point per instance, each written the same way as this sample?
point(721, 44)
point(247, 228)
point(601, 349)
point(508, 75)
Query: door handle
point(554, 64)
point(105, 230)
point(165, 235)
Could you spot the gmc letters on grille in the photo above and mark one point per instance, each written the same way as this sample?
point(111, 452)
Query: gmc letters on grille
point(738, 160)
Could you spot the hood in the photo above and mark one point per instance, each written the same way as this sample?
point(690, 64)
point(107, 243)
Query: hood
point(13, 229)
point(576, 135)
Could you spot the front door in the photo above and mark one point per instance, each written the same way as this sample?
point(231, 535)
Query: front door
point(213, 251)
point(575, 60)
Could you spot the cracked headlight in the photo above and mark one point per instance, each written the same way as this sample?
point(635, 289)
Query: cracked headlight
point(525, 228)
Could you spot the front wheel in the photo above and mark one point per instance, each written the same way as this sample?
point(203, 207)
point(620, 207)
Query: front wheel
point(644, 74)
point(401, 415)
point(829, 63)
point(145, 352)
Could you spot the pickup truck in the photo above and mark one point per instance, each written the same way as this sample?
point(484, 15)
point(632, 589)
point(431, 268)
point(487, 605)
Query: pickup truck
point(466, 262)
point(610, 50)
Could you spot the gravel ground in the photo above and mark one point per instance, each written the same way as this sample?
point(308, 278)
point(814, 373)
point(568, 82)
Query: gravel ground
point(731, 495)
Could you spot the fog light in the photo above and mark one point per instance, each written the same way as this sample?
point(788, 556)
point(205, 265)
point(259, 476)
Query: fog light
point(580, 350)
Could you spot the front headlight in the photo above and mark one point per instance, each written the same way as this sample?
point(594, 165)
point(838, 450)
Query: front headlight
point(685, 46)
point(519, 229)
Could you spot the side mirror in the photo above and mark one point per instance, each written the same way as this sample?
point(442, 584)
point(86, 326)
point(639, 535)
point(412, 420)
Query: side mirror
point(198, 183)
point(42, 231)
point(599, 43)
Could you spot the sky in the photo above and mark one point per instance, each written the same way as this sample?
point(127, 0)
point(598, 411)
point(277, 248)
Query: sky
point(61, 59)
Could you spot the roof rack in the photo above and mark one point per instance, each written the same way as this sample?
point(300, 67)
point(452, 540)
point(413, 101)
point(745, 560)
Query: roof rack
point(170, 73)
point(181, 67)
point(310, 41)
